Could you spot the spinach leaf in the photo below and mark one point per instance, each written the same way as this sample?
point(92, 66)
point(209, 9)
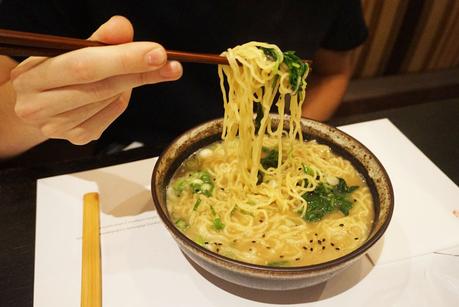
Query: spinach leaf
point(269, 158)
point(259, 116)
point(270, 53)
point(297, 69)
point(326, 198)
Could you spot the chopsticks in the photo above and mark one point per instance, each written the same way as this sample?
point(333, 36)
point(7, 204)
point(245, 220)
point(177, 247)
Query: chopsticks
point(91, 280)
point(17, 43)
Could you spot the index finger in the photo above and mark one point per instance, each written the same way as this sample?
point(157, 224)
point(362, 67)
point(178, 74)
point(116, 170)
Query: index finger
point(95, 63)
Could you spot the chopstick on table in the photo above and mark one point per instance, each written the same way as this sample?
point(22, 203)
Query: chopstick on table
point(17, 43)
point(91, 279)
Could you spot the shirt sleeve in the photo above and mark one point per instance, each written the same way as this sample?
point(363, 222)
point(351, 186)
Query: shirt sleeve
point(348, 30)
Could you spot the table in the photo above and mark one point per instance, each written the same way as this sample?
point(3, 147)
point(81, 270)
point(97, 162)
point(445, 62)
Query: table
point(432, 126)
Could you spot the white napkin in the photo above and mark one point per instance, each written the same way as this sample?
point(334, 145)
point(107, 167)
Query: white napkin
point(425, 197)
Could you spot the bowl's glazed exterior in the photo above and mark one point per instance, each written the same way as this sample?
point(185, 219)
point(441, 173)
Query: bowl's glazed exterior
point(263, 277)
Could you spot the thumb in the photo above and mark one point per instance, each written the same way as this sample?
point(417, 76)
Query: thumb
point(117, 30)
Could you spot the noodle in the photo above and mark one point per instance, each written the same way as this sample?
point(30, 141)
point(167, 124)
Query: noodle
point(252, 196)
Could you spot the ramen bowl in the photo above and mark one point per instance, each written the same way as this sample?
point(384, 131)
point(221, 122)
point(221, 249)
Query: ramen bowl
point(266, 277)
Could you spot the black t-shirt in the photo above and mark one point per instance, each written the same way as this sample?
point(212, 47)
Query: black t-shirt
point(164, 110)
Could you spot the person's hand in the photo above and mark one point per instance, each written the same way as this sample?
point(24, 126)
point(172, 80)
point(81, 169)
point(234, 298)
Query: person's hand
point(77, 95)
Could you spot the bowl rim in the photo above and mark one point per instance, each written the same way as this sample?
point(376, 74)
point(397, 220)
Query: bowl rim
point(263, 269)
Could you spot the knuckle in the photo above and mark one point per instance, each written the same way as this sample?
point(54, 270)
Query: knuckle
point(81, 70)
point(124, 59)
point(26, 111)
point(50, 130)
point(99, 90)
point(79, 136)
point(19, 83)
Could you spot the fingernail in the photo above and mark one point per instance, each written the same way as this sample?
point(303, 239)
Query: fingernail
point(156, 57)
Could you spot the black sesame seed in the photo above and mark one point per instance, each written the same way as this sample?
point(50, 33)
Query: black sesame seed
point(254, 241)
point(332, 244)
point(263, 236)
point(282, 256)
point(337, 248)
point(206, 243)
point(323, 240)
point(355, 200)
point(316, 234)
point(323, 247)
point(320, 242)
point(311, 249)
point(218, 250)
point(268, 247)
point(341, 225)
point(297, 259)
point(310, 241)
point(304, 247)
point(356, 238)
point(261, 221)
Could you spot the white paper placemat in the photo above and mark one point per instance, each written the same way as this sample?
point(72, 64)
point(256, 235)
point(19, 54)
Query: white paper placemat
point(142, 266)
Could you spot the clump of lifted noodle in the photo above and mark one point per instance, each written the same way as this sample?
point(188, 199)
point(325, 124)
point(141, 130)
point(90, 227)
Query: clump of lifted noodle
point(258, 75)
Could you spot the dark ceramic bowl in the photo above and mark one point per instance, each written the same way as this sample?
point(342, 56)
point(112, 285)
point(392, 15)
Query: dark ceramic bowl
point(264, 277)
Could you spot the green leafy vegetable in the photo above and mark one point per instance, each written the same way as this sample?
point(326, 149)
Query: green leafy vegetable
point(297, 69)
point(200, 240)
point(269, 158)
point(307, 170)
point(196, 204)
point(327, 198)
point(270, 53)
point(199, 182)
point(179, 186)
point(259, 116)
point(181, 224)
point(218, 224)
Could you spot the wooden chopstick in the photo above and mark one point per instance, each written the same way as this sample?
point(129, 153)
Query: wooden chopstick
point(91, 279)
point(17, 43)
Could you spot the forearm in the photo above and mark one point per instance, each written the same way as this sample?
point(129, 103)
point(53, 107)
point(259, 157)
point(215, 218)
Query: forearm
point(16, 136)
point(324, 95)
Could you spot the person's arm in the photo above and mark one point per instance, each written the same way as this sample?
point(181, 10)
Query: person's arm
point(77, 95)
point(327, 83)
